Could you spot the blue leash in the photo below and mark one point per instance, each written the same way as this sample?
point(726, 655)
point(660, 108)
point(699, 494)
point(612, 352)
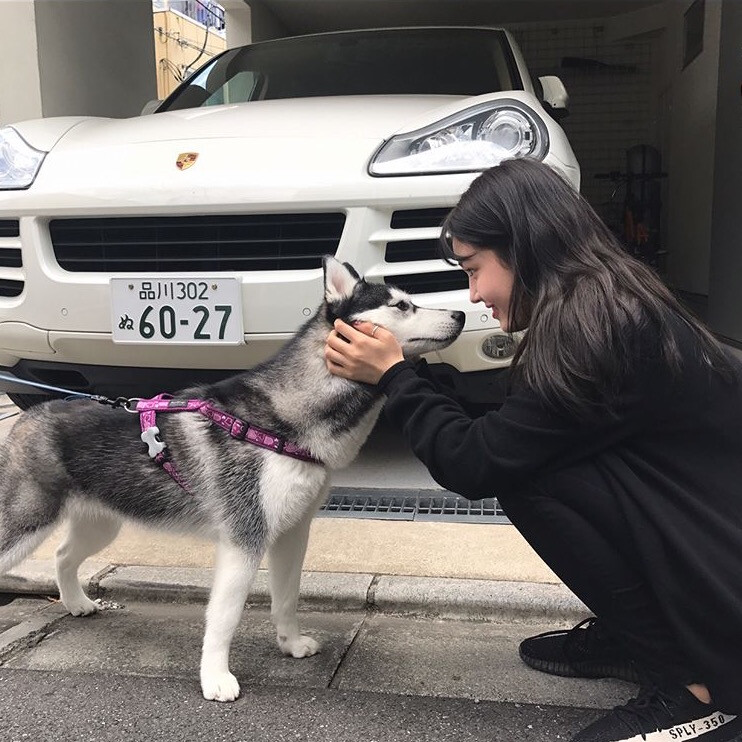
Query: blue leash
point(23, 382)
point(118, 402)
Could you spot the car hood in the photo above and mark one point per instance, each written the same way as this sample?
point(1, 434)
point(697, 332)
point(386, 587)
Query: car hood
point(258, 152)
point(361, 117)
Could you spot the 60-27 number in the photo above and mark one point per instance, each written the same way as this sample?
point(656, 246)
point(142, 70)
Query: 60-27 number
point(168, 322)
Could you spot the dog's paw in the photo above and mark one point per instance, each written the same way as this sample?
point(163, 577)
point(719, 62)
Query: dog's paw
point(81, 606)
point(302, 646)
point(219, 686)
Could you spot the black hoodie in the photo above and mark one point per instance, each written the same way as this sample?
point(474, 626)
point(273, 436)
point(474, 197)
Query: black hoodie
point(670, 451)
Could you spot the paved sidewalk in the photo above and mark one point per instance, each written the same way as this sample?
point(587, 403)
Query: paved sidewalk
point(131, 672)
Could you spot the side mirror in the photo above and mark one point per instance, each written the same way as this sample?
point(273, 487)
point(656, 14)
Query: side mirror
point(555, 96)
point(150, 107)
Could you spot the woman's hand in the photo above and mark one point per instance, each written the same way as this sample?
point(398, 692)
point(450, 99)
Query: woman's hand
point(363, 352)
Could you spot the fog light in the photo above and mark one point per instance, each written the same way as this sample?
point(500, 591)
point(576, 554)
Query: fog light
point(499, 346)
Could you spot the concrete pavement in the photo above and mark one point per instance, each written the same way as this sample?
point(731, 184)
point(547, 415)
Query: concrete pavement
point(131, 672)
point(47, 707)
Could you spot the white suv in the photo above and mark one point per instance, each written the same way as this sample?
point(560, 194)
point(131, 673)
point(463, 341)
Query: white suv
point(142, 254)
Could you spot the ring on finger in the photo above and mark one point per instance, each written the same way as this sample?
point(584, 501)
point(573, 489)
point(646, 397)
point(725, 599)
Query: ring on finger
point(373, 332)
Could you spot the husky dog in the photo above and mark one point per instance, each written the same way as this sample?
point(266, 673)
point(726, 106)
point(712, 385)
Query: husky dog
point(79, 461)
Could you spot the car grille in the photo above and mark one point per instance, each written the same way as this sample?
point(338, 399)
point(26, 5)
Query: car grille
point(401, 251)
point(10, 288)
point(425, 283)
point(10, 257)
point(416, 250)
point(248, 242)
point(9, 228)
point(418, 218)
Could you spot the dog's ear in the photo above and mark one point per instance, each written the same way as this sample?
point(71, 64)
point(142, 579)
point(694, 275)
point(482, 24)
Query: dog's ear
point(340, 279)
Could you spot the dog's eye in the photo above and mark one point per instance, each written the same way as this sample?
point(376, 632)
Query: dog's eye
point(403, 306)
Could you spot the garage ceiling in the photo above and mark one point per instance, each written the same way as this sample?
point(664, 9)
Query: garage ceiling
point(314, 16)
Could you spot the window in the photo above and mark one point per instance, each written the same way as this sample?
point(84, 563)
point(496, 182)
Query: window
point(448, 61)
point(693, 31)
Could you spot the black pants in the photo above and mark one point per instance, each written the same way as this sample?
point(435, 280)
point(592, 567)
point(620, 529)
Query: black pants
point(575, 524)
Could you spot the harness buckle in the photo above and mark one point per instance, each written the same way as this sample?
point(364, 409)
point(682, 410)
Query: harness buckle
point(238, 430)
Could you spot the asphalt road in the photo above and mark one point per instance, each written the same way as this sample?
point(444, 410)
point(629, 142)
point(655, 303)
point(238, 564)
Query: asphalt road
point(44, 706)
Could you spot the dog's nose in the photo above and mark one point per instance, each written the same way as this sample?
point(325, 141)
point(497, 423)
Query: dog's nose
point(458, 317)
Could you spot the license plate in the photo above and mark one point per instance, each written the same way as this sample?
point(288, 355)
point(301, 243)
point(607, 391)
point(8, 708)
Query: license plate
point(178, 311)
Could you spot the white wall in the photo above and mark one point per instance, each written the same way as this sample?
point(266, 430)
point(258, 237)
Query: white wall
point(691, 118)
point(238, 22)
point(20, 91)
point(725, 294)
point(76, 57)
point(96, 57)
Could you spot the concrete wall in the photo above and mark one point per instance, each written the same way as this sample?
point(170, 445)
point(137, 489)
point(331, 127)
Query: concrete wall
point(95, 56)
point(20, 91)
point(725, 294)
point(691, 118)
point(77, 57)
point(238, 22)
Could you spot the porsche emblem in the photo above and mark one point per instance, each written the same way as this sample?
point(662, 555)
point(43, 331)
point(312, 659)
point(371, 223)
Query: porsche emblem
point(185, 160)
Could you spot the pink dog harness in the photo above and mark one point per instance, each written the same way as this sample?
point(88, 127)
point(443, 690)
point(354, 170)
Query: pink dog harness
point(239, 429)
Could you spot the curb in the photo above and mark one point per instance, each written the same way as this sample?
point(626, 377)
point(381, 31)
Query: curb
point(438, 597)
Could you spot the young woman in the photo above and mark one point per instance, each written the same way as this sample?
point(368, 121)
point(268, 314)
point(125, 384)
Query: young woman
point(617, 454)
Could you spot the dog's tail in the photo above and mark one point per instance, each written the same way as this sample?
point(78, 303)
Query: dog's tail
point(17, 542)
point(28, 513)
point(17, 549)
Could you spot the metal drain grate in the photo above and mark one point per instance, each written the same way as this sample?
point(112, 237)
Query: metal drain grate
point(406, 504)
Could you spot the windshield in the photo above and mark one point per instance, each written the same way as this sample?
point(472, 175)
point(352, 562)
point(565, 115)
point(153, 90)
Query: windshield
point(442, 61)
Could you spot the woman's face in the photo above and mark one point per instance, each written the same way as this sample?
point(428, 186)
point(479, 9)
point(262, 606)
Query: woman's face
point(490, 280)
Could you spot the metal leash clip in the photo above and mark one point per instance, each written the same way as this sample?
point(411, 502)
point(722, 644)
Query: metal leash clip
point(126, 403)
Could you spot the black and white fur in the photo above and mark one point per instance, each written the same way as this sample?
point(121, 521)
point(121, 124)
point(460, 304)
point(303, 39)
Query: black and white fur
point(85, 463)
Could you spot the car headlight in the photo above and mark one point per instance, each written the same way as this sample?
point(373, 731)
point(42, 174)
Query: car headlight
point(470, 140)
point(19, 161)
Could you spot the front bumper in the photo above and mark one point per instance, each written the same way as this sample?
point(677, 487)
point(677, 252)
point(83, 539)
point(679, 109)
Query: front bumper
point(58, 316)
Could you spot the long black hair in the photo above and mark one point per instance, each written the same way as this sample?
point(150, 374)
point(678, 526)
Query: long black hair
point(578, 293)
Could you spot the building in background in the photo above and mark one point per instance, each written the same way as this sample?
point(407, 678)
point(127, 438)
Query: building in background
point(187, 34)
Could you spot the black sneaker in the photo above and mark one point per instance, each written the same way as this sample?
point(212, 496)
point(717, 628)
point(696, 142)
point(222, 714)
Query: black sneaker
point(664, 716)
point(585, 651)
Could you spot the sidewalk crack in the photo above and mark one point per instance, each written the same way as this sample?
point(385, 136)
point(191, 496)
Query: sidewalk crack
point(335, 680)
